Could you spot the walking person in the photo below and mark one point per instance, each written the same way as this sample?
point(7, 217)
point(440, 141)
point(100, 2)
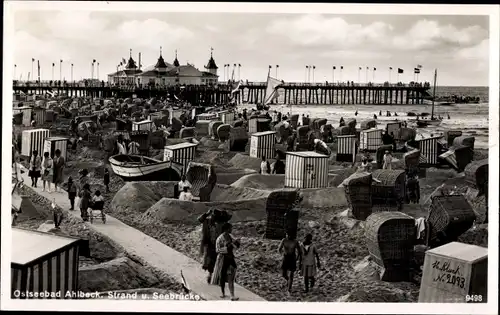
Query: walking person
point(59, 163)
point(106, 179)
point(387, 161)
point(85, 196)
point(310, 260)
point(226, 263)
point(57, 213)
point(47, 171)
point(212, 222)
point(290, 249)
point(72, 189)
point(35, 167)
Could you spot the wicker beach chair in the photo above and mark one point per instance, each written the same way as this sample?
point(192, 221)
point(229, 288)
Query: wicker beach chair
point(449, 217)
point(358, 192)
point(201, 176)
point(467, 141)
point(187, 132)
point(281, 217)
point(238, 139)
point(450, 135)
point(476, 175)
point(212, 129)
point(223, 132)
point(389, 190)
point(390, 238)
point(368, 124)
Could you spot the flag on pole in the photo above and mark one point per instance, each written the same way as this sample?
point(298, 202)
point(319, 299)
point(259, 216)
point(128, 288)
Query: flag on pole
point(359, 68)
point(419, 66)
point(239, 65)
point(270, 66)
point(53, 64)
point(314, 67)
point(374, 69)
point(334, 67)
point(93, 61)
point(367, 68)
point(417, 70)
point(390, 68)
point(341, 67)
point(32, 59)
point(61, 61)
point(400, 70)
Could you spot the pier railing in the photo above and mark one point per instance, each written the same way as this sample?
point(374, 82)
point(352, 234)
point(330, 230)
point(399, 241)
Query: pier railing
point(246, 84)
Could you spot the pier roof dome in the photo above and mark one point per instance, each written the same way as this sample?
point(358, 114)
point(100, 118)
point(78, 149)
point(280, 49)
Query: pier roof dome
point(131, 64)
point(211, 62)
point(176, 61)
point(160, 63)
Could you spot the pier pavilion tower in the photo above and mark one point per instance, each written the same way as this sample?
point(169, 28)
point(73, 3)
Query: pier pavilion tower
point(176, 61)
point(211, 65)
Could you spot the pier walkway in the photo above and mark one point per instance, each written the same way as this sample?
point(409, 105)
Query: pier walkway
point(153, 252)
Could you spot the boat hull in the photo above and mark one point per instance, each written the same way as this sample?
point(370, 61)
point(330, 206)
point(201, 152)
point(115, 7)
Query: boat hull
point(161, 171)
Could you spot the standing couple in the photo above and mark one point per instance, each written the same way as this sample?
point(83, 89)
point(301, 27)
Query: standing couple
point(307, 255)
point(217, 246)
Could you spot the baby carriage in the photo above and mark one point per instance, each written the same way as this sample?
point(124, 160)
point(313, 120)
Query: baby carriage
point(96, 211)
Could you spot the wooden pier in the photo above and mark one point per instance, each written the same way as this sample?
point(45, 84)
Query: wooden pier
point(337, 94)
point(289, 93)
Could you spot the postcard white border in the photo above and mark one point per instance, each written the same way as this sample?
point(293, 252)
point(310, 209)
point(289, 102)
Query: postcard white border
point(259, 307)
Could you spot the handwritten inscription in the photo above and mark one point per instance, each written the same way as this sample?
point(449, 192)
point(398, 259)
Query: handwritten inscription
point(310, 171)
point(447, 274)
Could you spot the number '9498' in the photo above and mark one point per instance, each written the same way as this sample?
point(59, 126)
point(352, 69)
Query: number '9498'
point(473, 298)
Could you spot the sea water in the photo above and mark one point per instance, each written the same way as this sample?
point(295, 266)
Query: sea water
point(471, 119)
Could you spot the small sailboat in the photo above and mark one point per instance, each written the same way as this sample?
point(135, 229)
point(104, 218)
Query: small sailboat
point(433, 121)
point(271, 93)
point(142, 168)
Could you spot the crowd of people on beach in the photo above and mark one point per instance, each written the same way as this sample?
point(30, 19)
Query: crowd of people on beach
point(218, 245)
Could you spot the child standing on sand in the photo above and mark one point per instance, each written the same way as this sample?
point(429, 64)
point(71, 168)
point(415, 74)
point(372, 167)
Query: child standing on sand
point(58, 214)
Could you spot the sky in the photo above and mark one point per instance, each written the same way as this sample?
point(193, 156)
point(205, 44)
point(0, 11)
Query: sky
point(458, 46)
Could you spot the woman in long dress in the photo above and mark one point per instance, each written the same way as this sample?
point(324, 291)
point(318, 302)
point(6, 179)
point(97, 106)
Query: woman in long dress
point(212, 221)
point(310, 260)
point(225, 266)
point(58, 169)
point(35, 167)
point(47, 171)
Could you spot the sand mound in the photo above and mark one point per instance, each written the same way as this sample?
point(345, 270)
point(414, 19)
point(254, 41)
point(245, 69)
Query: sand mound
point(209, 143)
point(376, 294)
point(245, 161)
point(331, 197)
point(133, 197)
point(227, 176)
point(172, 210)
point(118, 274)
point(172, 141)
point(341, 175)
point(258, 181)
point(231, 193)
point(477, 235)
point(168, 210)
point(160, 188)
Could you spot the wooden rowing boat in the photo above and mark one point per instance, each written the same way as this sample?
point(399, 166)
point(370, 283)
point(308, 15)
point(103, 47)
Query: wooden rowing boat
point(142, 168)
